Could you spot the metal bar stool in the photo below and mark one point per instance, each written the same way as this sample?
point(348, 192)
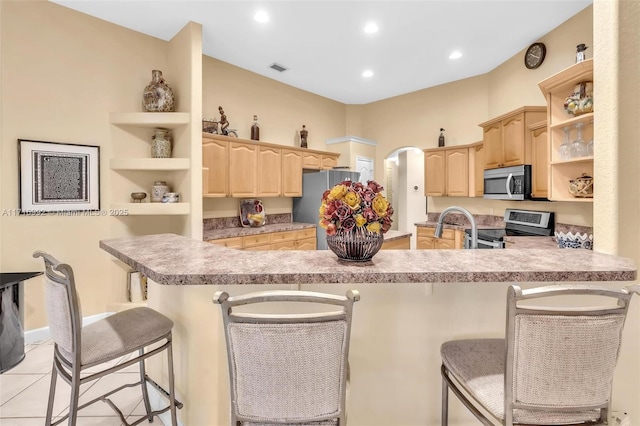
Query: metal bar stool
point(78, 348)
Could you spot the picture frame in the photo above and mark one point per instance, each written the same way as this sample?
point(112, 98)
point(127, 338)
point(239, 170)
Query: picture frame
point(58, 177)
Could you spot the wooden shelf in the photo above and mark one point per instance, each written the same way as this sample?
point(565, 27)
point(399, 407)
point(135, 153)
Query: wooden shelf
point(148, 209)
point(584, 118)
point(573, 161)
point(168, 120)
point(574, 199)
point(150, 164)
point(582, 71)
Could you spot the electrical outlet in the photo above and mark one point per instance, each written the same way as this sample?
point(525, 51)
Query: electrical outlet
point(619, 418)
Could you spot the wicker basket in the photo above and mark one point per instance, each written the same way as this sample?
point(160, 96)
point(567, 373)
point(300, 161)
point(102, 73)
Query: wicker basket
point(357, 245)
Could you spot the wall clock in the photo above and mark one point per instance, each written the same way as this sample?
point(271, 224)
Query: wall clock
point(534, 56)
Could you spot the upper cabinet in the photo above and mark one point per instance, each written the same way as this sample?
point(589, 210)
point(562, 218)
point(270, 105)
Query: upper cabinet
point(507, 139)
point(539, 160)
point(450, 171)
point(565, 126)
point(233, 167)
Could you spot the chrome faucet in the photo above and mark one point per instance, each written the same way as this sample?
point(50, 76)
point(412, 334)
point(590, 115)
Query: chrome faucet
point(474, 227)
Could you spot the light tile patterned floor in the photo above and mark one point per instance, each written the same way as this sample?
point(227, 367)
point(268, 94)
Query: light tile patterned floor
point(24, 392)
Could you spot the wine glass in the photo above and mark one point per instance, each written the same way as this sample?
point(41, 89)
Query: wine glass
point(565, 151)
point(578, 147)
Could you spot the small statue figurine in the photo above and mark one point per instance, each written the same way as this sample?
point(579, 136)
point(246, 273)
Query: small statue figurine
point(303, 137)
point(224, 124)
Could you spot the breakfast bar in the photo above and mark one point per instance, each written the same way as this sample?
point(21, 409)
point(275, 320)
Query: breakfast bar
point(412, 301)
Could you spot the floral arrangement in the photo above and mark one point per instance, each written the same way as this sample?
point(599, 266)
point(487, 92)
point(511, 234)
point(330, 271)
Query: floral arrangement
point(350, 205)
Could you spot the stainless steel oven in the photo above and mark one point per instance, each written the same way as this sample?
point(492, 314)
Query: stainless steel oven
point(517, 222)
point(508, 183)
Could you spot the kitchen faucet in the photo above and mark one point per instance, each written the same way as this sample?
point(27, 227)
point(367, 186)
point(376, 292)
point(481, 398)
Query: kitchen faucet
point(474, 227)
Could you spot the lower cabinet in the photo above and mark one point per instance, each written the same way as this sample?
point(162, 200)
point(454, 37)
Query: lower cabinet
point(403, 243)
point(303, 239)
point(451, 239)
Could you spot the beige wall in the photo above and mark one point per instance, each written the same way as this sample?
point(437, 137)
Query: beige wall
point(62, 74)
point(281, 111)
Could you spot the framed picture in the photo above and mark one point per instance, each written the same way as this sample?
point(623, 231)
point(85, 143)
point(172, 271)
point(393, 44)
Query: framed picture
point(58, 177)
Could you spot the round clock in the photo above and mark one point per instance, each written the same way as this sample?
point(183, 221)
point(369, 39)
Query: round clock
point(534, 55)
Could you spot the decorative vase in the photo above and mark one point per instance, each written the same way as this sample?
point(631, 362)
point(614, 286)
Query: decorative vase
point(158, 189)
point(357, 245)
point(161, 145)
point(157, 96)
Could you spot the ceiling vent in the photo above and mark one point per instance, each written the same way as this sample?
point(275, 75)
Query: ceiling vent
point(277, 67)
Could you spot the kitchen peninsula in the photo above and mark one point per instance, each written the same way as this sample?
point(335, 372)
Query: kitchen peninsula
point(398, 325)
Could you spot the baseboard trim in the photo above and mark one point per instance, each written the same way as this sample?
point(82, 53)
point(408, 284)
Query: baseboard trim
point(158, 402)
point(41, 334)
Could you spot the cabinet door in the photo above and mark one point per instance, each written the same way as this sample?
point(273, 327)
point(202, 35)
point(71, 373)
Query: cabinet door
point(442, 244)
point(513, 140)
point(311, 160)
point(269, 172)
point(457, 169)
point(329, 161)
point(425, 243)
point(403, 243)
point(479, 171)
point(306, 244)
point(434, 173)
point(492, 141)
point(243, 169)
point(215, 159)
point(291, 173)
point(539, 163)
point(234, 242)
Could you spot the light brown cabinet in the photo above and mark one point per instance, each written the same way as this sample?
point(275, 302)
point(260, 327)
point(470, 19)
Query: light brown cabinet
point(215, 176)
point(556, 89)
point(539, 160)
point(403, 243)
point(233, 167)
point(269, 171)
point(477, 152)
point(451, 239)
point(291, 173)
point(303, 239)
point(446, 171)
point(506, 138)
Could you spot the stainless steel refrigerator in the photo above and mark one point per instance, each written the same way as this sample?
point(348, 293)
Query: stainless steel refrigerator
point(305, 208)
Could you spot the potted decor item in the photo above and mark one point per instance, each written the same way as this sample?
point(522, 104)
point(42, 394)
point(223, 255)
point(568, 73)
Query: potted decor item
point(355, 217)
point(158, 95)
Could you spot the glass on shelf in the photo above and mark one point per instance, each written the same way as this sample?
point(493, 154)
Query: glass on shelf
point(578, 146)
point(565, 151)
point(590, 147)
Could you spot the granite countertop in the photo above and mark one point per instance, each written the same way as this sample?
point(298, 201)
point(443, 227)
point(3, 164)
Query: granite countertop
point(216, 234)
point(176, 260)
point(458, 225)
point(391, 235)
point(522, 242)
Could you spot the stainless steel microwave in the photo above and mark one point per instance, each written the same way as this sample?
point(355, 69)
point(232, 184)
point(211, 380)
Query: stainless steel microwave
point(508, 183)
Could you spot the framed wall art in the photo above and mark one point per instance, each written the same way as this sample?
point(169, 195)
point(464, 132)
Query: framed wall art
point(58, 177)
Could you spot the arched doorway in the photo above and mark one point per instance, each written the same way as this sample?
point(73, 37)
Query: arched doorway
point(403, 182)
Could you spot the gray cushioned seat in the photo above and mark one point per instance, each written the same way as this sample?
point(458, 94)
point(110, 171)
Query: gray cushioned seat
point(120, 334)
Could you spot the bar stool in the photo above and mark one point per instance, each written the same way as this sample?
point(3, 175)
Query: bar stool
point(287, 368)
point(555, 366)
point(77, 348)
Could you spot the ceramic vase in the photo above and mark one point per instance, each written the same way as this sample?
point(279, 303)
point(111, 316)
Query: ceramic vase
point(158, 189)
point(161, 145)
point(157, 96)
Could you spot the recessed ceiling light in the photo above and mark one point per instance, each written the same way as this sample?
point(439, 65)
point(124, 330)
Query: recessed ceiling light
point(371, 28)
point(455, 54)
point(367, 73)
point(261, 16)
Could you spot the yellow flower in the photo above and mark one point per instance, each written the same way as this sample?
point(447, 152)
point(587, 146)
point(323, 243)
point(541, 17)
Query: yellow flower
point(321, 209)
point(337, 192)
point(380, 205)
point(352, 200)
point(373, 227)
point(360, 220)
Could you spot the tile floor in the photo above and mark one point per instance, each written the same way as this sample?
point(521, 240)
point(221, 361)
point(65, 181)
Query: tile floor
point(24, 392)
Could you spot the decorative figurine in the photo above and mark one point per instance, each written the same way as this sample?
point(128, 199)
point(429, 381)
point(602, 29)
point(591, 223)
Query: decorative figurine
point(224, 125)
point(255, 129)
point(303, 137)
point(441, 138)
